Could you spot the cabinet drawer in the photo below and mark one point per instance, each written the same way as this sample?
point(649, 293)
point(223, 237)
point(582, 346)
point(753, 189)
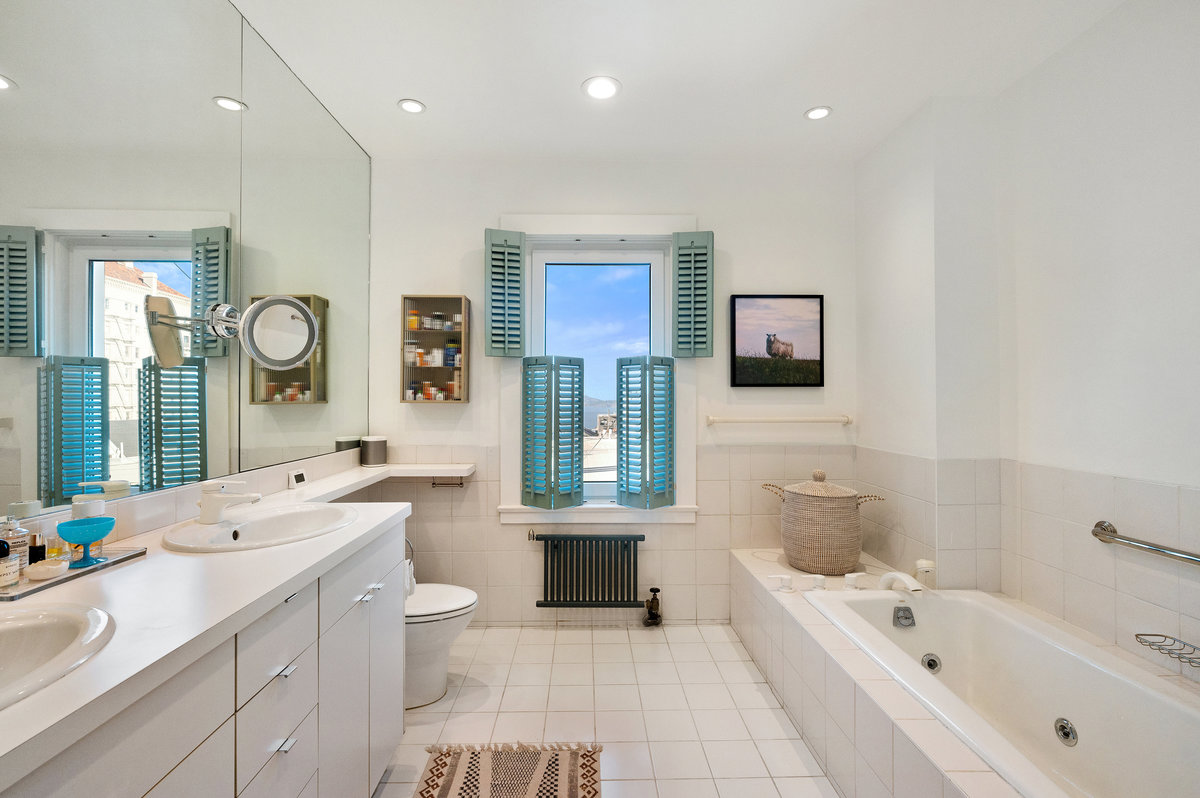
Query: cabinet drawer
point(269, 718)
point(205, 773)
point(288, 773)
point(310, 789)
point(265, 647)
point(344, 585)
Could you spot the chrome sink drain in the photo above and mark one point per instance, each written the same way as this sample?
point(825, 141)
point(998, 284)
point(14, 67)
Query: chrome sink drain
point(932, 662)
point(1065, 731)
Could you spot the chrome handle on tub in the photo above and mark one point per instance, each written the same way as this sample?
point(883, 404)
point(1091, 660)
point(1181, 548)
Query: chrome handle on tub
point(288, 671)
point(287, 745)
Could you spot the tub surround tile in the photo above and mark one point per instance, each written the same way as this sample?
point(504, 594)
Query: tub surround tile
point(940, 744)
point(978, 785)
point(914, 775)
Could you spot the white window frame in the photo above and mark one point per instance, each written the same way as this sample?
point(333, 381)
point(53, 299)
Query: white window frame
point(557, 238)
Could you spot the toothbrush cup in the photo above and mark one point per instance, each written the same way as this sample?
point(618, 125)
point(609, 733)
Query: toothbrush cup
point(84, 532)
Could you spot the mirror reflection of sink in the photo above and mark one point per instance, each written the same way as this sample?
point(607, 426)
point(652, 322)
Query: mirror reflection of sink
point(257, 529)
point(40, 644)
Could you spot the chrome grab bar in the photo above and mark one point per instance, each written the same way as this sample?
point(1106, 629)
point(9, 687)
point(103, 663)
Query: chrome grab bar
point(1106, 532)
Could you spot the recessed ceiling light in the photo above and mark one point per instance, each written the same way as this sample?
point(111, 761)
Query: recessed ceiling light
point(412, 106)
point(820, 112)
point(601, 87)
point(230, 104)
point(7, 83)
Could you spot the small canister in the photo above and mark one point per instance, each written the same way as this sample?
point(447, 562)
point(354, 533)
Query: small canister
point(345, 442)
point(374, 451)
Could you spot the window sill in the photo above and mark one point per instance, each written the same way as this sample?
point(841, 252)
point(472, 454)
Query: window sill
point(604, 513)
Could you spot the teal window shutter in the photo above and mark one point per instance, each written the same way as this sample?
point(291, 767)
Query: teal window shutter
point(20, 292)
point(504, 293)
point(210, 286)
point(646, 432)
point(692, 324)
point(172, 428)
point(552, 432)
point(73, 425)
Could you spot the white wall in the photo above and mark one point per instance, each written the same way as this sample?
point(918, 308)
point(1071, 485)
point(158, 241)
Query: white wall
point(896, 375)
point(777, 231)
point(1104, 183)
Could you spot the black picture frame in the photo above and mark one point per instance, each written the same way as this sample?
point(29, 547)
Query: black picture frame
point(798, 323)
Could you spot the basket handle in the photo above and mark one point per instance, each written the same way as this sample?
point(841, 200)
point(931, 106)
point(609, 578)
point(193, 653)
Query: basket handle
point(778, 491)
point(869, 497)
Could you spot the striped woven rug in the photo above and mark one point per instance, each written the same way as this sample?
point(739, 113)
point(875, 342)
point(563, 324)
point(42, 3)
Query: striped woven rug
point(512, 770)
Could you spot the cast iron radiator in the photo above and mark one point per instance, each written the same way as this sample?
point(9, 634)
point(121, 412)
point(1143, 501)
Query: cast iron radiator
point(590, 570)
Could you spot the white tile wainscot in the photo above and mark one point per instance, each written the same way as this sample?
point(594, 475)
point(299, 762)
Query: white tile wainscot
point(870, 735)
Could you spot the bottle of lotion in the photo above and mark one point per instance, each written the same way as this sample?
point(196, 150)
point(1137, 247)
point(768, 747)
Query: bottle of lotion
point(17, 540)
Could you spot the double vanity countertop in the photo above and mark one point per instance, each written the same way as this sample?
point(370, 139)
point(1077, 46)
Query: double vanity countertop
point(170, 609)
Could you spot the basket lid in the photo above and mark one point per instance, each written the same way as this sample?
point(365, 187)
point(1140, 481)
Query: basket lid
point(819, 487)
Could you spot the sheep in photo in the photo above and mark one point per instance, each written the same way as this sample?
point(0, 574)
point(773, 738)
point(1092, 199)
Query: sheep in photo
point(777, 348)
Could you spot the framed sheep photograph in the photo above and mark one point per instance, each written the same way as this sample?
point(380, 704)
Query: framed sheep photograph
point(776, 340)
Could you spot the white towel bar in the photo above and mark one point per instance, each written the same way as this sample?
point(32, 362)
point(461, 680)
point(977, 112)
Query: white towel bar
point(781, 420)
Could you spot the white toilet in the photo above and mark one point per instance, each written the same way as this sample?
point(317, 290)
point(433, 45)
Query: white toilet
point(434, 615)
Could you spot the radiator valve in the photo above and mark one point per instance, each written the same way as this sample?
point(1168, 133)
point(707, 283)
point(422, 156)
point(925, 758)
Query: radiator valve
point(653, 609)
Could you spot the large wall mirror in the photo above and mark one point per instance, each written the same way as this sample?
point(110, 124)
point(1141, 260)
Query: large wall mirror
point(117, 163)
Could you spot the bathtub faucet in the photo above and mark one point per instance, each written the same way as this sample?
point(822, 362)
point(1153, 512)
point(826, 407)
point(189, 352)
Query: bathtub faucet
point(889, 581)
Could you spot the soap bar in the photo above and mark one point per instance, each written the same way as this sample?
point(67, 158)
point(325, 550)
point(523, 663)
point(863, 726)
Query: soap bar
point(46, 569)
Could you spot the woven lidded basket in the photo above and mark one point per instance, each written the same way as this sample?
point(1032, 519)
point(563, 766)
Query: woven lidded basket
point(819, 525)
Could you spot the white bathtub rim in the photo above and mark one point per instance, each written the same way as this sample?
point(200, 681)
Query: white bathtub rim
point(941, 702)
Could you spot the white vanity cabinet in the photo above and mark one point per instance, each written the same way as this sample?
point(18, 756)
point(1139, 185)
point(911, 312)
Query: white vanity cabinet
point(361, 652)
point(133, 752)
point(308, 699)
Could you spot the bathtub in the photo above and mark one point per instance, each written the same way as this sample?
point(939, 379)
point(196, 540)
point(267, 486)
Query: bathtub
point(1006, 679)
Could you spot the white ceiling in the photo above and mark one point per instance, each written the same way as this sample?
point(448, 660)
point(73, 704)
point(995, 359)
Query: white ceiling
point(703, 79)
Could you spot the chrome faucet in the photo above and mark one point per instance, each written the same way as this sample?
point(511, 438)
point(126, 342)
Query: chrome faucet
point(214, 499)
point(889, 581)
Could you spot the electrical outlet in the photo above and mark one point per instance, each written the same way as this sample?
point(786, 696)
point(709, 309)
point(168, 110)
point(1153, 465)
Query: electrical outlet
point(297, 479)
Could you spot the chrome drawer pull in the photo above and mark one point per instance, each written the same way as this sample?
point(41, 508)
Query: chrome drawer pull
point(288, 671)
point(367, 598)
point(287, 745)
point(289, 598)
point(377, 586)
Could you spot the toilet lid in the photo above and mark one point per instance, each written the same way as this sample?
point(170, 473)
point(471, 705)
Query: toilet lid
point(434, 599)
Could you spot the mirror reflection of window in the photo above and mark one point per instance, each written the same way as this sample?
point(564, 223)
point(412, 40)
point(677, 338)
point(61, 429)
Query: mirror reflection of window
point(119, 333)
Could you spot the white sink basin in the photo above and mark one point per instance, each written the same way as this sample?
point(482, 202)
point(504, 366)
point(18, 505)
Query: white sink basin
point(257, 529)
point(41, 644)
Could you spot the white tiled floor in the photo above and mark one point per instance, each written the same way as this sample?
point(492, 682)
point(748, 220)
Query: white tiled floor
point(681, 710)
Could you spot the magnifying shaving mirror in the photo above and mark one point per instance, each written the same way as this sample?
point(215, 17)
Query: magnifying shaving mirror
point(279, 332)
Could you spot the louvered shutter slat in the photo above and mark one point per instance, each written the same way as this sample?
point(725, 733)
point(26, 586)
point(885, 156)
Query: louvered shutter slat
point(72, 425)
point(173, 434)
point(504, 311)
point(20, 334)
point(551, 432)
point(693, 280)
point(645, 432)
point(210, 286)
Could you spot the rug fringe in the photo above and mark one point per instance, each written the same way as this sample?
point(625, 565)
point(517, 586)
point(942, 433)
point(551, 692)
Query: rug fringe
point(445, 748)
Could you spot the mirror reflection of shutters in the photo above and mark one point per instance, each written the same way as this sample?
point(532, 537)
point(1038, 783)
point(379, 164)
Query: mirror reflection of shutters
point(172, 425)
point(210, 286)
point(20, 327)
point(72, 425)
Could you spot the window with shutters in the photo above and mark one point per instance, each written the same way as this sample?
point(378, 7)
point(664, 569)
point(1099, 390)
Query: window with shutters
point(609, 300)
point(118, 333)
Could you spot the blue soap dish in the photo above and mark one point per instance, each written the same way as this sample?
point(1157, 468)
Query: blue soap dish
point(84, 532)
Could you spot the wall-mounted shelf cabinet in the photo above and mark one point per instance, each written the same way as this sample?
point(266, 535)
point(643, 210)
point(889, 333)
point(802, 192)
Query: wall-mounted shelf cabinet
point(303, 385)
point(436, 334)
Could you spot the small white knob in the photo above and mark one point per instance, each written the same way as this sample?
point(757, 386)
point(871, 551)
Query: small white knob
point(852, 580)
point(818, 582)
point(785, 582)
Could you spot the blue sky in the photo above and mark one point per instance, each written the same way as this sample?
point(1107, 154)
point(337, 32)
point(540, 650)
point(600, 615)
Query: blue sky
point(178, 276)
point(598, 311)
point(797, 321)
